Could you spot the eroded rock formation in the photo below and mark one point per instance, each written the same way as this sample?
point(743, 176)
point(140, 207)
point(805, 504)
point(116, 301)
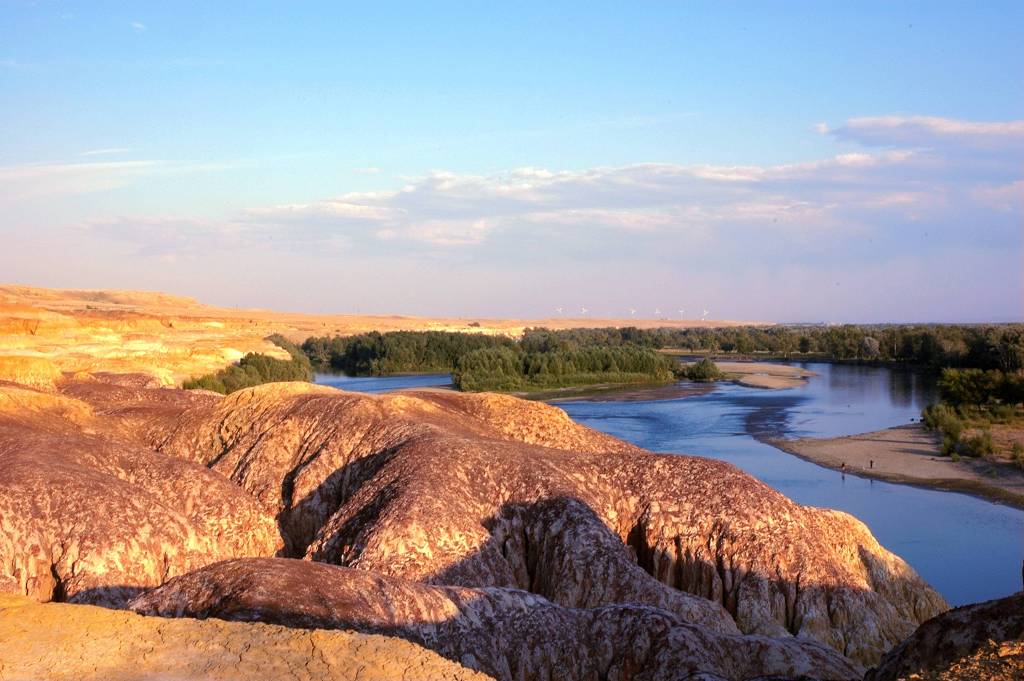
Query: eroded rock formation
point(110, 484)
point(981, 641)
point(88, 516)
point(506, 633)
point(62, 642)
point(486, 490)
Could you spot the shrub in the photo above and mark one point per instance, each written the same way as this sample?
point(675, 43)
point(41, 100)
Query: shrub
point(980, 444)
point(943, 419)
point(1003, 413)
point(703, 371)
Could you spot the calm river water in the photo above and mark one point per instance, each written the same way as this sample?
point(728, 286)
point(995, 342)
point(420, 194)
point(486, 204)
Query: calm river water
point(969, 549)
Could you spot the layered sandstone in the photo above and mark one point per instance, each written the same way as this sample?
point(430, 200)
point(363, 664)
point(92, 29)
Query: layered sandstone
point(981, 641)
point(506, 633)
point(62, 642)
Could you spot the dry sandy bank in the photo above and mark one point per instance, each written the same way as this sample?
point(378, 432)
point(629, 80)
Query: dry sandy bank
point(766, 374)
point(910, 455)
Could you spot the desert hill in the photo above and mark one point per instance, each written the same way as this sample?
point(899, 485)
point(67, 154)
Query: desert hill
point(175, 337)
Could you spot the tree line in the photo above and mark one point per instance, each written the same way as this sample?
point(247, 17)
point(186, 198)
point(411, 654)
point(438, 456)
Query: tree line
point(556, 358)
point(395, 352)
point(929, 346)
point(520, 368)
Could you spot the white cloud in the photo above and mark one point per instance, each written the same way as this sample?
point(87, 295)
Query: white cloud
point(932, 132)
point(841, 216)
point(33, 180)
point(368, 170)
point(110, 151)
point(138, 26)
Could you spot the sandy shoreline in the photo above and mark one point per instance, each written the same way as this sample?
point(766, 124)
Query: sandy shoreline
point(765, 374)
point(910, 455)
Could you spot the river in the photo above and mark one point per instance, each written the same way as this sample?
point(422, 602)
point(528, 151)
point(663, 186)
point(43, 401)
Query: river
point(968, 548)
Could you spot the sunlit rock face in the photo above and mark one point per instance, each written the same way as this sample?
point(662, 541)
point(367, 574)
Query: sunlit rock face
point(981, 641)
point(62, 642)
point(89, 516)
point(484, 490)
point(506, 633)
point(110, 485)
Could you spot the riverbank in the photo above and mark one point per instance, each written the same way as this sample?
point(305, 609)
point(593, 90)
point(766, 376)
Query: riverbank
point(910, 455)
point(765, 374)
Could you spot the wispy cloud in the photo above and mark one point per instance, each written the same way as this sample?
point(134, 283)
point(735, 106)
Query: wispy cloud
point(932, 132)
point(33, 180)
point(367, 170)
point(138, 26)
point(110, 151)
point(658, 211)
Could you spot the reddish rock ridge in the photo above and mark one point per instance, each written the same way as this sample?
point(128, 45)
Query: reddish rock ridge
point(981, 641)
point(109, 485)
point(506, 633)
point(88, 516)
point(487, 490)
point(63, 642)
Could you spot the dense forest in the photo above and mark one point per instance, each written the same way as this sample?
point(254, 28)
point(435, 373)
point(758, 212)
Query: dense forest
point(396, 352)
point(928, 346)
point(519, 368)
point(543, 358)
point(481, 362)
point(255, 369)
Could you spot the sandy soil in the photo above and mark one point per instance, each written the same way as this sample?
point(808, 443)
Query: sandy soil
point(174, 337)
point(910, 455)
point(765, 374)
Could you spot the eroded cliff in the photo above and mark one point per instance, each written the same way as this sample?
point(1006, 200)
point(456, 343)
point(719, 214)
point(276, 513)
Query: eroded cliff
point(496, 510)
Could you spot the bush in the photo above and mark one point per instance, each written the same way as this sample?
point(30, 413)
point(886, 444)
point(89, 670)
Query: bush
point(1017, 453)
point(943, 419)
point(980, 444)
point(1002, 413)
point(703, 371)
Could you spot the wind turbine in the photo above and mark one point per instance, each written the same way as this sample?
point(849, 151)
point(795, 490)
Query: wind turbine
point(558, 310)
point(632, 312)
point(704, 316)
point(584, 310)
point(657, 311)
point(681, 312)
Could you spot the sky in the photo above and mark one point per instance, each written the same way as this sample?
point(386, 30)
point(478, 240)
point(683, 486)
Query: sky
point(787, 161)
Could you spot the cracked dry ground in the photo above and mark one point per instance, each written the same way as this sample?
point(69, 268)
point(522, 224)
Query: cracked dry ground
point(495, 532)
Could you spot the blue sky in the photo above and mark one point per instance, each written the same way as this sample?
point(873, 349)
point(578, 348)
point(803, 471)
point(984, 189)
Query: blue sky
point(793, 161)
